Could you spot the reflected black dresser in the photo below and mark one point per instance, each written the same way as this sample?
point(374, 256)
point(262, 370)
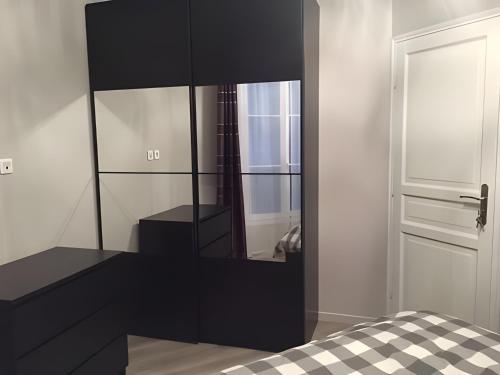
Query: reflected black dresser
point(62, 312)
point(168, 305)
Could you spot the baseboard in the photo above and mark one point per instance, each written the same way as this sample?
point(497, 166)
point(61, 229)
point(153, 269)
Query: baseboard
point(343, 318)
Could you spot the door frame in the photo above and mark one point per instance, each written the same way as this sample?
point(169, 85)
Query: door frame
point(392, 224)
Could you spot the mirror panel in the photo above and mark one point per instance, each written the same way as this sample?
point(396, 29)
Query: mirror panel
point(127, 198)
point(131, 122)
point(272, 216)
point(249, 147)
point(268, 117)
point(269, 226)
point(206, 125)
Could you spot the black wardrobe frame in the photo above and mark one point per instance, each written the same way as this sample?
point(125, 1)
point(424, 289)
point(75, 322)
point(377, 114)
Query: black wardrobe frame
point(100, 21)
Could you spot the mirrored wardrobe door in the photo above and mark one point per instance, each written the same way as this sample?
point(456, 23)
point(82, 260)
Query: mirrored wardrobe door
point(266, 121)
point(249, 162)
point(144, 152)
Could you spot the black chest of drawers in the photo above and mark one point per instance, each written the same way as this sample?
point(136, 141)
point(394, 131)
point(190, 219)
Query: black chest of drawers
point(62, 311)
point(168, 261)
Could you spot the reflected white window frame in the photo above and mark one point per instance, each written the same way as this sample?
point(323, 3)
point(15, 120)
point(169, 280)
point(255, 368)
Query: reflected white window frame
point(286, 214)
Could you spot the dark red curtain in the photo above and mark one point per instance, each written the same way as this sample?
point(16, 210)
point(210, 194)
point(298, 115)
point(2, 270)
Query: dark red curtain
point(229, 180)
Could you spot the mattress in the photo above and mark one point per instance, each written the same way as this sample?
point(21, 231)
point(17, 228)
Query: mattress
point(406, 343)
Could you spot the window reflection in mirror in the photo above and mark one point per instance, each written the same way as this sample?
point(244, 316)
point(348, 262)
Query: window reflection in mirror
point(270, 224)
point(268, 116)
point(249, 160)
point(272, 217)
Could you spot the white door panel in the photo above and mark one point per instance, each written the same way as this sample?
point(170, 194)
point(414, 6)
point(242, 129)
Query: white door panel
point(444, 134)
point(439, 276)
point(456, 216)
point(444, 105)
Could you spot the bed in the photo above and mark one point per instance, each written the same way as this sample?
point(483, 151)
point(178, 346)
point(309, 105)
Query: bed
point(406, 343)
point(291, 242)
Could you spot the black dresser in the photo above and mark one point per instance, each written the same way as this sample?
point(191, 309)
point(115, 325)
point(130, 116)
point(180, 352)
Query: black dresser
point(169, 267)
point(170, 231)
point(62, 311)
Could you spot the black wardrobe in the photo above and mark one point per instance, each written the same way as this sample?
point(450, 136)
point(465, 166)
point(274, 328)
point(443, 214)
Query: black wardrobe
point(175, 58)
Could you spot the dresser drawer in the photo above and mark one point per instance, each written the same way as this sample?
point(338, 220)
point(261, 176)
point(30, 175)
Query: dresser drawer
point(220, 248)
point(113, 359)
point(73, 347)
point(214, 227)
point(39, 319)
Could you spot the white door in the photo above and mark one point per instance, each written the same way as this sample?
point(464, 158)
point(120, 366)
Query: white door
point(444, 145)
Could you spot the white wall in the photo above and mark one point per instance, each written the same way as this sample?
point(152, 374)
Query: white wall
point(355, 55)
point(45, 128)
point(411, 15)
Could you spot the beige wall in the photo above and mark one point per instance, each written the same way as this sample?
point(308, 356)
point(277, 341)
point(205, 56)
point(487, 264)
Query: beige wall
point(411, 15)
point(355, 54)
point(44, 123)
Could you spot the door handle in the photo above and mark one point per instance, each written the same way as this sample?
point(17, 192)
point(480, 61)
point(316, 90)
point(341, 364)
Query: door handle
point(471, 197)
point(483, 205)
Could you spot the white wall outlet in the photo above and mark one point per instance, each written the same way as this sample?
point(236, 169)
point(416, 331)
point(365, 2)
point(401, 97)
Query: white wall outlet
point(6, 166)
point(157, 154)
point(150, 155)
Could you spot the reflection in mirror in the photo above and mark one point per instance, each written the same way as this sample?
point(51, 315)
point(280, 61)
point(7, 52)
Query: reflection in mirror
point(269, 229)
point(268, 122)
point(272, 216)
point(131, 122)
point(249, 147)
point(127, 198)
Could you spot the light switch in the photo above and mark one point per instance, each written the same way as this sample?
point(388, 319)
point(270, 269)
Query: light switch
point(150, 155)
point(157, 154)
point(6, 166)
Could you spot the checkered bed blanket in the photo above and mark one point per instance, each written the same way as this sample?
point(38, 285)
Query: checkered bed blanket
point(406, 343)
point(290, 243)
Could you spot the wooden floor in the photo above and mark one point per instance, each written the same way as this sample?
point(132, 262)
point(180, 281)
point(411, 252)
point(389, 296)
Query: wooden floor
point(158, 357)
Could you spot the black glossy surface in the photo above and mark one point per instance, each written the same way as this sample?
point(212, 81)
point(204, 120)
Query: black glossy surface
point(70, 302)
point(138, 44)
point(214, 227)
point(220, 248)
point(184, 214)
point(69, 350)
point(168, 300)
point(242, 41)
point(310, 157)
point(61, 307)
point(253, 304)
point(167, 263)
point(168, 305)
point(7, 357)
point(113, 359)
point(28, 276)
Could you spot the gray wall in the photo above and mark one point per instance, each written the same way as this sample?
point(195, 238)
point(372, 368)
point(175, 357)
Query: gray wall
point(355, 56)
point(409, 15)
point(44, 120)
point(45, 128)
